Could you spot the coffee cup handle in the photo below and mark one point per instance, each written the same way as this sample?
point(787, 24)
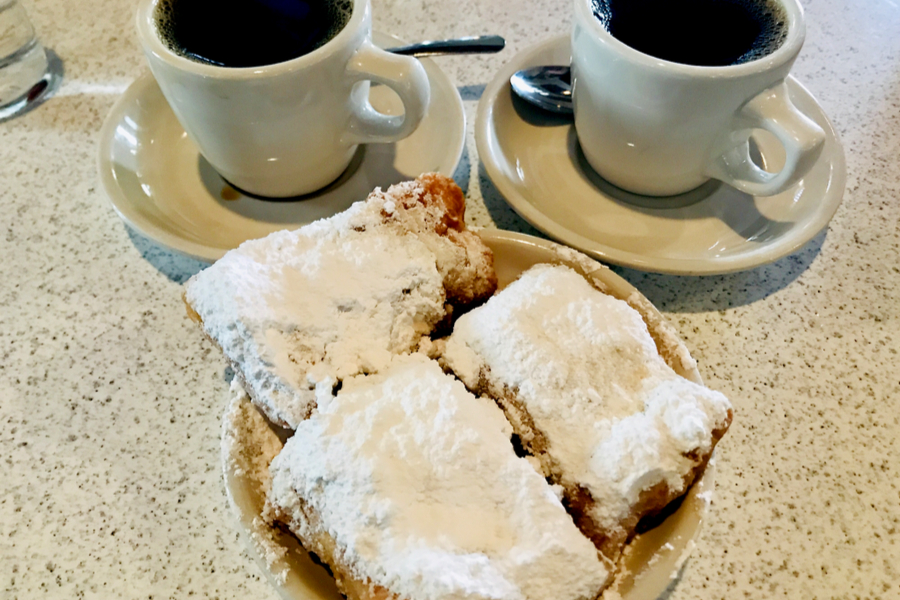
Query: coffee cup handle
point(773, 111)
point(403, 74)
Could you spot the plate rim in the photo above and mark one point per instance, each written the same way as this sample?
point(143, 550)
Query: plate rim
point(485, 140)
point(697, 497)
point(145, 82)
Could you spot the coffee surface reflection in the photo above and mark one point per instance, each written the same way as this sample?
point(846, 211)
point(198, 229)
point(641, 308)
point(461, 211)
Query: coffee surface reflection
point(709, 33)
point(249, 33)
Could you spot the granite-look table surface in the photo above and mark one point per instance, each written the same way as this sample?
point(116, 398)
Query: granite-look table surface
point(110, 399)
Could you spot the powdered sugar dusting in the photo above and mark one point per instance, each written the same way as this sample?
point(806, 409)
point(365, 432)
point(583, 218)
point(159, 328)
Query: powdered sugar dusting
point(669, 345)
point(248, 443)
point(248, 447)
point(618, 420)
point(417, 482)
point(304, 308)
point(706, 496)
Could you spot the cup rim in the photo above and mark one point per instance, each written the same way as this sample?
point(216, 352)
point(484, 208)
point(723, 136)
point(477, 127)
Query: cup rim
point(152, 44)
point(786, 52)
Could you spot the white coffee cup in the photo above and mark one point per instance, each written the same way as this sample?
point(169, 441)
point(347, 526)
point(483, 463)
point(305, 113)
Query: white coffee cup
point(288, 128)
point(661, 128)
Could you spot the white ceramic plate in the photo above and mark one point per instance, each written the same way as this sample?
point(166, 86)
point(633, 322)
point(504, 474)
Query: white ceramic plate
point(160, 185)
point(652, 560)
point(536, 163)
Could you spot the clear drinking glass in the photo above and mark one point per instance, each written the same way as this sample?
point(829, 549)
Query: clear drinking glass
point(24, 69)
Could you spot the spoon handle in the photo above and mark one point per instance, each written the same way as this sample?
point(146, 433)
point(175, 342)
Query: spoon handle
point(484, 44)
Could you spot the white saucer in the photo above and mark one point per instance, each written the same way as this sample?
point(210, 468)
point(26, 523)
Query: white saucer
point(651, 560)
point(160, 185)
point(536, 163)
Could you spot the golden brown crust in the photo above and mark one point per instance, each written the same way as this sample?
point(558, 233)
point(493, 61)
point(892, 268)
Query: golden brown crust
point(444, 190)
point(193, 314)
point(438, 193)
point(436, 205)
point(318, 542)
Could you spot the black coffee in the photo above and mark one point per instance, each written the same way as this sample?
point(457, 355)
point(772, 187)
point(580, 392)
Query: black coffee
point(709, 33)
point(249, 33)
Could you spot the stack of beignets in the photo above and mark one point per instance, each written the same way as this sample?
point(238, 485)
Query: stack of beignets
point(402, 481)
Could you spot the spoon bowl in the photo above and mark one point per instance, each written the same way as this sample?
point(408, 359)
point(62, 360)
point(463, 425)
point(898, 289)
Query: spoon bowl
point(548, 87)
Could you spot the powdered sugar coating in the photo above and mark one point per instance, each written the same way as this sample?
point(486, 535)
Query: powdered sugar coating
point(418, 484)
point(248, 447)
point(616, 418)
point(298, 311)
point(303, 309)
point(245, 434)
point(669, 345)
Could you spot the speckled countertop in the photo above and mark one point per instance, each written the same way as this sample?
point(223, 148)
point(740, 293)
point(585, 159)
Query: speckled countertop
point(110, 399)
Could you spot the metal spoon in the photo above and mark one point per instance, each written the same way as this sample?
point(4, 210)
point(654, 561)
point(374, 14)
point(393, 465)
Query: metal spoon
point(483, 44)
point(547, 87)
